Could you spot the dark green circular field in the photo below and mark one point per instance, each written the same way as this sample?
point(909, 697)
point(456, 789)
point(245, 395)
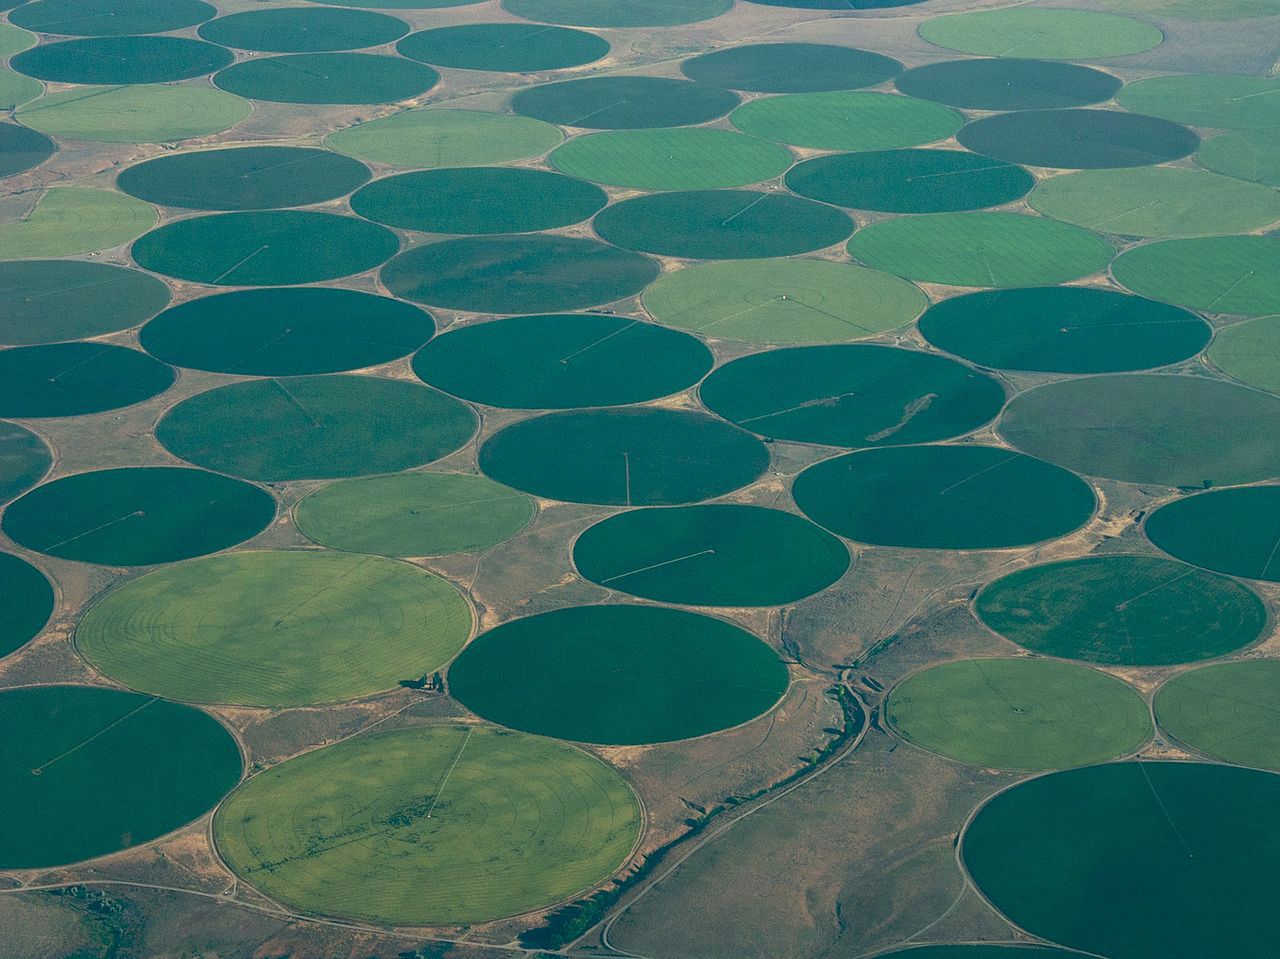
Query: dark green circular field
point(983, 951)
point(618, 13)
point(304, 30)
point(624, 103)
point(504, 47)
point(265, 248)
point(631, 457)
point(518, 274)
point(122, 60)
point(106, 18)
point(618, 675)
point(138, 516)
point(718, 555)
point(944, 497)
point(478, 200)
point(22, 148)
point(791, 68)
point(28, 603)
point(910, 181)
point(722, 224)
point(328, 78)
point(24, 459)
point(1008, 84)
point(1232, 531)
point(1064, 329)
point(72, 379)
point(838, 4)
point(244, 178)
point(1122, 610)
point(286, 332)
point(852, 395)
point(1226, 711)
point(49, 301)
point(87, 771)
point(316, 427)
point(1079, 139)
point(562, 361)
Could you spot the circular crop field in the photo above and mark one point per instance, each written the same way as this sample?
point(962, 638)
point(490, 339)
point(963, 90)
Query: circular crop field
point(631, 457)
point(1064, 329)
point(1122, 610)
point(138, 516)
point(414, 514)
point(48, 301)
point(316, 427)
point(623, 103)
point(445, 138)
point(1228, 711)
point(400, 4)
point(943, 497)
point(504, 47)
point(984, 951)
point(275, 628)
point(854, 395)
point(15, 90)
point(618, 675)
point(783, 301)
point(21, 149)
point(1019, 713)
point(1014, 84)
point(87, 771)
point(66, 220)
point(981, 249)
point(145, 113)
point(72, 379)
point(24, 460)
point(561, 362)
point(772, 68)
point(328, 78)
point(286, 332)
point(478, 200)
point(1219, 274)
point(518, 274)
point(838, 4)
point(722, 224)
point(449, 825)
point(1134, 860)
point(1215, 101)
point(108, 18)
point(910, 181)
point(1232, 531)
point(244, 178)
point(265, 248)
point(618, 13)
point(847, 120)
point(304, 30)
point(28, 603)
point(1247, 351)
point(1078, 139)
point(719, 555)
point(122, 60)
point(1245, 154)
point(1167, 430)
point(1043, 34)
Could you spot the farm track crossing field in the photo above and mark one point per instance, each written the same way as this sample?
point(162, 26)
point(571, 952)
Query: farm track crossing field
point(623, 103)
point(48, 301)
point(1227, 711)
point(105, 18)
point(1078, 139)
point(618, 675)
point(445, 138)
point(1219, 274)
point(1046, 34)
point(145, 113)
point(21, 149)
point(1008, 84)
point(28, 603)
point(109, 60)
point(449, 825)
point(24, 460)
point(1233, 531)
point(1215, 101)
point(72, 379)
point(275, 628)
point(1247, 351)
point(304, 30)
point(65, 220)
point(771, 68)
point(1247, 154)
point(328, 78)
point(847, 120)
point(618, 13)
point(504, 47)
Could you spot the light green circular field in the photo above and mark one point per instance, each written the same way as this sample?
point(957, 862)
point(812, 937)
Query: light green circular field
point(1041, 34)
point(1019, 713)
point(431, 138)
point(15, 89)
point(144, 113)
point(1195, 9)
point(14, 40)
point(414, 514)
point(1246, 154)
point(845, 120)
point(981, 249)
point(1221, 274)
point(275, 628)
point(679, 158)
point(67, 220)
point(1157, 202)
point(1228, 711)
point(1250, 352)
point(1207, 100)
point(784, 301)
point(430, 825)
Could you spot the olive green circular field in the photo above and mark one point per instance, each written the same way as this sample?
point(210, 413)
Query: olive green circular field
point(847, 120)
point(62, 221)
point(943, 497)
point(1227, 711)
point(1015, 84)
point(478, 200)
point(265, 248)
point(276, 628)
point(48, 301)
point(1232, 531)
point(28, 603)
point(1041, 34)
point(718, 555)
point(852, 395)
point(682, 158)
point(1161, 429)
point(400, 4)
point(1157, 202)
point(244, 178)
point(562, 361)
point(981, 249)
point(1249, 352)
point(1122, 610)
point(122, 60)
point(518, 274)
point(623, 103)
point(771, 68)
point(15, 89)
point(618, 675)
point(138, 516)
point(72, 379)
point(1215, 101)
point(1245, 154)
point(910, 181)
point(618, 13)
point(631, 457)
point(316, 427)
point(785, 301)
point(1064, 329)
point(504, 47)
point(1078, 139)
point(109, 18)
point(1019, 713)
point(722, 224)
point(87, 771)
point(286, 332)
point(146, 113)
point(328, 78)
point(15, 40)
point(1220, 274)
point(445, 138)
point(24, 460)
point(414, 514)
point(984, 951)
point(22, 149)
point(304, 30)
point(1195, 9)
point(448, 825)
